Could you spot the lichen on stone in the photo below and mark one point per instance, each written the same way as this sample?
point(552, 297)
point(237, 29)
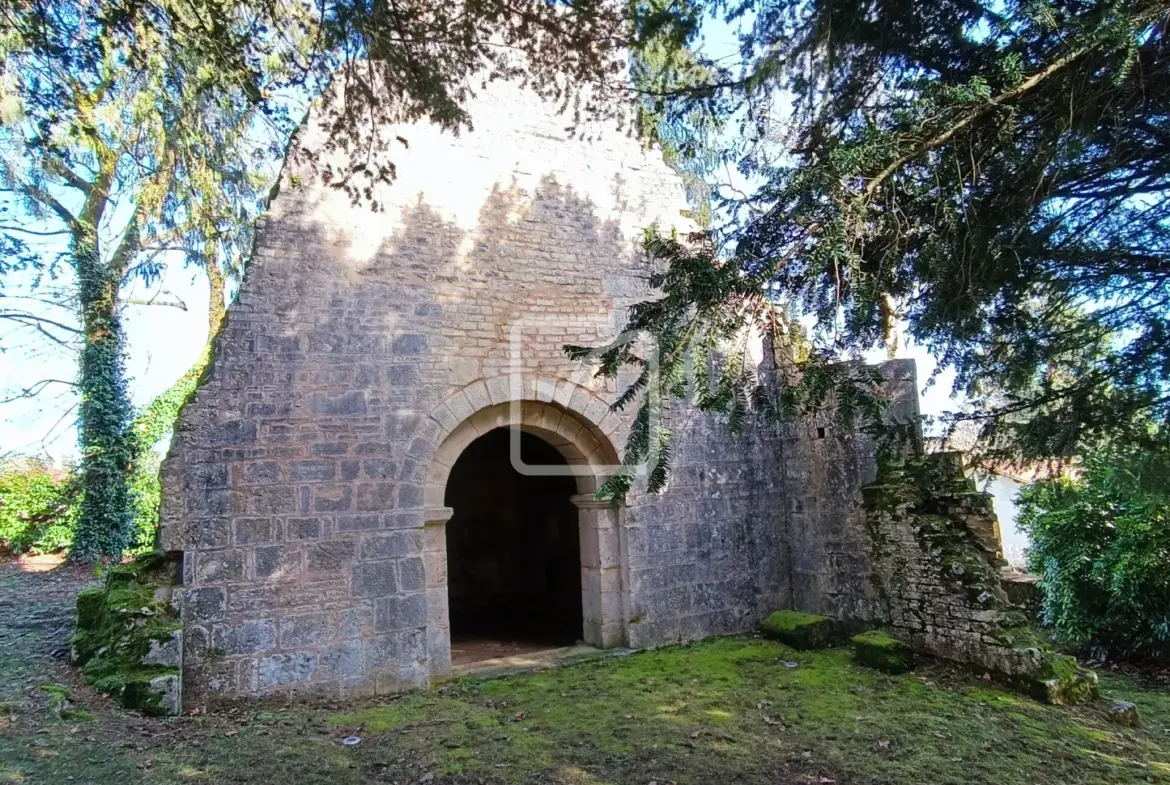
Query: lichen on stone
point(128, 636)
point(799, 630)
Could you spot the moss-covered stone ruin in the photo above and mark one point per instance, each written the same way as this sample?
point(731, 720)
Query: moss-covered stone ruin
point(129, 636)
point(800, 630)
point(937, 564)
point(883, 652)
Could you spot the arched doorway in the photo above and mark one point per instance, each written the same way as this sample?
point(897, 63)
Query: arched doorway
point(586, 456)
point(513, 551)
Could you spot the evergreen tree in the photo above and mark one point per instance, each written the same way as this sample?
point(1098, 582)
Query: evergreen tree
point(995, 174)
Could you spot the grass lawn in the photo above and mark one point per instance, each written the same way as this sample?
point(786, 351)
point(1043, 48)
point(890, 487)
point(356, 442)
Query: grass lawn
point(725, 711)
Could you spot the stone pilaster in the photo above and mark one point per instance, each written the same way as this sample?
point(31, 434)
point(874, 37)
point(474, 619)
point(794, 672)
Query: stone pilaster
point(438, 614)
point(602, 596)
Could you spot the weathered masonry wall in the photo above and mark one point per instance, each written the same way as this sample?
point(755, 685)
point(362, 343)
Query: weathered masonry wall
point(709, 556)
point(937, 558)
point(305, 484)
point(827, 534)
point(306, 488)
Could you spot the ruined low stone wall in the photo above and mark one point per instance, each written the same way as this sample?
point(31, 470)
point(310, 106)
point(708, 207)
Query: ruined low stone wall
point(128, 640)
point(937, 560)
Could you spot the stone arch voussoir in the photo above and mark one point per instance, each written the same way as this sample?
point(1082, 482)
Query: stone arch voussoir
point(569, 416)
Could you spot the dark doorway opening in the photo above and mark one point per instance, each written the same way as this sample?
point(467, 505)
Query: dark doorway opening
point(513, 552)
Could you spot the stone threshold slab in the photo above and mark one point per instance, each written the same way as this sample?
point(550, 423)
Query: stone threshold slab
point(529, 661)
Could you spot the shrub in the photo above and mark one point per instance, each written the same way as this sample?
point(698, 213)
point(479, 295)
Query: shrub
point(146, 490)
point(1101, 546)
point(38, 507)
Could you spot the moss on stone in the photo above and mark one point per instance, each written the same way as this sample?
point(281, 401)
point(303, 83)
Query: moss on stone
point(914, 480)
point(1062, 681)
point(58, 695)
point(1016, 636)
point(888, 497)
point(1023, 591)
point(117, 627)
point(89, 608)
point(800, 630)
point(878, 650)
point(954, 526)
point(139, 688)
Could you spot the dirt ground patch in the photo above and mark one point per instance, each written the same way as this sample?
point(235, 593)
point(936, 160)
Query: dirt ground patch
point(732, 710)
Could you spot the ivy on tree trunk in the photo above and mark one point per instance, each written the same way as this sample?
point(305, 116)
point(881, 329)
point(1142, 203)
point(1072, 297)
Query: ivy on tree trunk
point(105, 525)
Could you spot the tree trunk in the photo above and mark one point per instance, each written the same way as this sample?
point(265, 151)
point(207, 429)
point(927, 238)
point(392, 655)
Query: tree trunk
point(159, 418)
point(104, 528)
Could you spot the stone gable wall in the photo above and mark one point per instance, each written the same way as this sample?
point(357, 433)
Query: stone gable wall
point(296, 485)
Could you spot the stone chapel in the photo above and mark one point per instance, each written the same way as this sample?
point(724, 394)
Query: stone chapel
point(343, 491)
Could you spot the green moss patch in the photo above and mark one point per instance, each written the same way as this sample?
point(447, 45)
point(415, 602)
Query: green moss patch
point(716, 711)
point(878, 650)
point(126, 639)
point(1062, 681)
point(800, 630)
point(90, 603)
point(723, 710)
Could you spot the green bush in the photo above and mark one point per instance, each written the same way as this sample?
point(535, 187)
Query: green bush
point(146, 488)
point(38, 507)
point(1101, 546)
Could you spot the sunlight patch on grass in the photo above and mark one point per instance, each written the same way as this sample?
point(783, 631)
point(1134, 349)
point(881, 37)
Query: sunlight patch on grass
point(575, 775)
point(375, 719)
point(718, 715)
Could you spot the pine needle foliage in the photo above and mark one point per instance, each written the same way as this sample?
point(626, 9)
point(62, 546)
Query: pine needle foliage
point(994, 175)
point(694, 348)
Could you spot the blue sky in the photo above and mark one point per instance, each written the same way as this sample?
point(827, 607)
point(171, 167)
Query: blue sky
point(163, 342)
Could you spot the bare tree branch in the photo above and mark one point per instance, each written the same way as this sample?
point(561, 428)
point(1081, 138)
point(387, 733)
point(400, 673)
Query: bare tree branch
point(154, 299)
point(42, 197)
point(33, 319)
point(30, 231)
point(36, 389)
